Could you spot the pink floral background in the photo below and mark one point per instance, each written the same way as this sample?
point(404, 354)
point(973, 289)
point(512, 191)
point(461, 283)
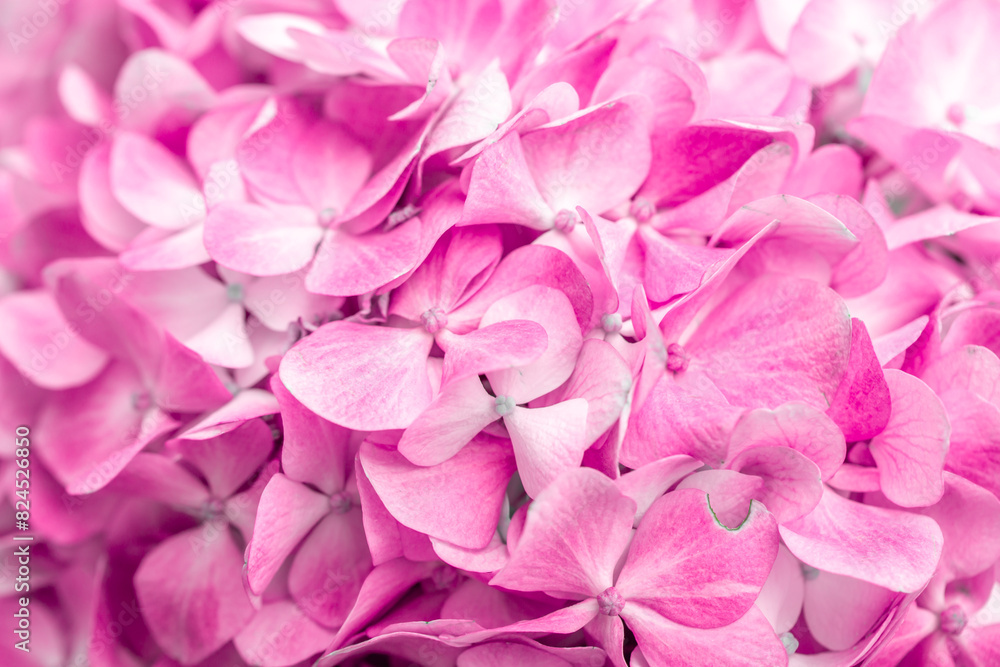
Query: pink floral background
point(500, 333)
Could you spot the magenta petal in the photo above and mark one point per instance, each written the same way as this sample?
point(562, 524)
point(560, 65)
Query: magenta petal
point(747, 641)
point(794, 425)
point(361, 377)
point(329, 568)
point(547, 441)
point(287, 511)
point(280, 635)
point(43, 345)
point(313, 449)
point(472, 484)
point(230, 459)
point(686, 566)
point(457, 414)
point(494, 347)
point(862, 404)
point(574, 535)
point(910, 451)
point(890, 548)
point(259, 241)
point(191, 594)
point(775, 340)
point(381, 588)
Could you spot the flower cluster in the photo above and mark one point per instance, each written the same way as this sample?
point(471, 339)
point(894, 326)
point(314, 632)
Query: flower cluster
point(489, 333)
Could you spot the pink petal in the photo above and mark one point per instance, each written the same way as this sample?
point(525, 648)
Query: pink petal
point(575, 534)
point(889, 548)
point(280, 635)
point(457, 414)
point(598, 178)
point(794, 425)
point(348, 264)
point(106, 220)
point(494, 347)
point(155, 476)
point(230, 459)
point(832, 168)
point(329, 568)
point(287, 512)
point(910, 451)
point(686, 566)
point(865, 267)
point(258, 241)
point(174, 89)
point(685, 414)
point(472, 483)
point(841, 610)
point(361, 377)
point(152, 183)
point(969, 516)
point(313, 449)
point(503, 189)
point(330, 165)
point(791, 482)
point(550, 308)
point(191, 595)
point(747, 641)
point(730, 493)
point(862, 404)
point(780, 598)
point(45, 347)
point(674, 268)
point(158, 250)
point(547, 441)
point(245, 405)
point(644, 485)
point(756, 362)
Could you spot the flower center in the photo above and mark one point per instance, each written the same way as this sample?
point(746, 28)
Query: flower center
point(504, 405)
point(790, 643)
point(340, 503)
point(610, 602)
point(953, 620)
point(677, 358)
point(434, 319)
point(141, 400)
point(401, 215)
point(234, 292)
point(611, 322)
point(566, 220)
point(213, 509)
point(642, 209)
point(327, 216)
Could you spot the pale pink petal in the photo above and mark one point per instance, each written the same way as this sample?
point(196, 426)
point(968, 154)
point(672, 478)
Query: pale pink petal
point(781, 597)
point(258, 241)
point(599, 177)
point(894, 549)
point(551, 309)
point(730, 493)
point(493, 347)
point(795, 425)
point(791, 482)
point(330, 165)
point(644, 485)
point(106, 220)
point(246, 405)
point(472, 484)
point(43, 345)
point(191, 594)
point(686, 566)
point(865, 267)
point(573, 538)
point(361, 377)
point(152, 183)
point(547, 441)
point(503, 189)
point(910, 451)
point(841, 610)
point(158, 250)
point(747, 641)
point(457, 414)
